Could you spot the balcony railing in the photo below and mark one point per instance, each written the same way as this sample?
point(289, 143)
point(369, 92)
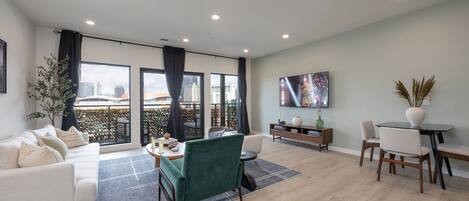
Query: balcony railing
point(110, 124)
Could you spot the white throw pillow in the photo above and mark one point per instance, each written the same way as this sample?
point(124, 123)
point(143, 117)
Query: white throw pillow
point(72, 137)
point(86, 137)
point(32, 155)
point(39, 133)
point(9, 153)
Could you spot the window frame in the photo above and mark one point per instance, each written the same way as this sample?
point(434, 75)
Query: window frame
point(130, 94)
point(222, 97)
point(144, 70)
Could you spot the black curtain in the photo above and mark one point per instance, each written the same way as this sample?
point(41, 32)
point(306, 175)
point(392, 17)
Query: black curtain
point(174, 59)
point(243, 123)
point(70, 46)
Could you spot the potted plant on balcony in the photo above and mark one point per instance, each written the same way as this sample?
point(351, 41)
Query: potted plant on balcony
point(51, 89)
point(420, 89)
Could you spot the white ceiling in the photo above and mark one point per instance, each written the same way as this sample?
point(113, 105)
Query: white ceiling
point(256, 25)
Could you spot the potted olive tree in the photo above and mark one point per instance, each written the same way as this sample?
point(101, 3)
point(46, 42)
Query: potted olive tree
point(51, 89)
point(420, 89)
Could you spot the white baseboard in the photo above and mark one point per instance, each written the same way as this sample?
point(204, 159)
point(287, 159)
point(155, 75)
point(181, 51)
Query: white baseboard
point(456, 172)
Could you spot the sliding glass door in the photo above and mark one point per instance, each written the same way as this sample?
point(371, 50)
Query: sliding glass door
point(155, 104)
point(224, 96)
point(102, 105)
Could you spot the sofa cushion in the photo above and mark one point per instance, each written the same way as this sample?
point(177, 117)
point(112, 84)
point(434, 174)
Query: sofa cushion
point(9, 150)
point(86, 162)
point(48, 129)
point(31, 155)
point(72, 137)
point(57, 144)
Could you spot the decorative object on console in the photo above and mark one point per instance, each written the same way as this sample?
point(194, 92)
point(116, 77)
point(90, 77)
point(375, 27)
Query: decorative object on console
point(297, 121)
point(281, 122)
point(319, 121)
point(420, 89)
point(51, 89)
point(3, 67)
point(280, 127)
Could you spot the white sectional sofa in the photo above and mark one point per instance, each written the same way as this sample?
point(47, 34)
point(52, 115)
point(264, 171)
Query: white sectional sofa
point(76, 179)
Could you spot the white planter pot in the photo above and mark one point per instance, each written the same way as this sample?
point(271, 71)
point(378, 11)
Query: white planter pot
point(297, 121)
point(415, 116)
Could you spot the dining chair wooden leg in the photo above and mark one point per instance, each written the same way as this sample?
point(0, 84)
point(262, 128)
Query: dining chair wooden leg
point(381, 155)
point(429, 168)
point(371, 153)
point(435, 175)
point(392, 166)
point(362, 155)
point(421, 173)
point(402, 160)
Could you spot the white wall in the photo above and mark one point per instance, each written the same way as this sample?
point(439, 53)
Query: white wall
point(137, 56)
point(17, 31)
point(363, 64)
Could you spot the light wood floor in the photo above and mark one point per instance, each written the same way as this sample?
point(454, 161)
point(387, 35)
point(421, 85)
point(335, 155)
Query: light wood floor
point(335, 176)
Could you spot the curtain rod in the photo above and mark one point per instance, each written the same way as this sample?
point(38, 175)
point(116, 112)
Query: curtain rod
point(145, 45)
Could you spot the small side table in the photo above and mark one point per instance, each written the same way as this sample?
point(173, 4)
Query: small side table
point(167, 153)
point(247, 180)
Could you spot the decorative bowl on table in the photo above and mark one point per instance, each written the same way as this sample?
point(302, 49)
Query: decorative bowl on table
point(168, 141)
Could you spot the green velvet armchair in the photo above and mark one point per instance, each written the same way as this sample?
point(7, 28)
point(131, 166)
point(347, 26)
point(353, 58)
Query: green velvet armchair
point(209, 167)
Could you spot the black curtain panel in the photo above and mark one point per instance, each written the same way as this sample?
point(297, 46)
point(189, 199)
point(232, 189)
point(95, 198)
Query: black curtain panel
point(174, 59)
point(243, 123)
point(70, 46)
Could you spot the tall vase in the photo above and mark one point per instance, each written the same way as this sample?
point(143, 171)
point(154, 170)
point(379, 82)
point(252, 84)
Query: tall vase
point(415, 116)
point(319, 123)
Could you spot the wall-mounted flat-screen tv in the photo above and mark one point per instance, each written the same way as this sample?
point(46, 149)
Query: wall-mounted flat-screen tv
point(306, 91)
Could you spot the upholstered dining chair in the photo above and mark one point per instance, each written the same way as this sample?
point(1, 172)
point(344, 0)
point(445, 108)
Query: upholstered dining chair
point(369, 139)
point(209, 167)
point(405, 143)
point(458, 152)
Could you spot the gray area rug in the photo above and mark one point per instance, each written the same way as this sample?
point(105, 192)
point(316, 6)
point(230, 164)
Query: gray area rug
point(135, 178)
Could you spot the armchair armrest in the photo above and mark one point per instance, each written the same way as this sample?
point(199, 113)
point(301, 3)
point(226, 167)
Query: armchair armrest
point(55, 182)
point(171, 179)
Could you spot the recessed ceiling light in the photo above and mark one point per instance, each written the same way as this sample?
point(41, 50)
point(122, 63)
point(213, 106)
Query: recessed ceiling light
point(215, 17)
point(245, 50)
point(186, 40)
point(285, 36)
point(89, 22)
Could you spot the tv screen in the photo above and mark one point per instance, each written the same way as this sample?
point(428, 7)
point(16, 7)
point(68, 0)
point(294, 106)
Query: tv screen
point(308, 91)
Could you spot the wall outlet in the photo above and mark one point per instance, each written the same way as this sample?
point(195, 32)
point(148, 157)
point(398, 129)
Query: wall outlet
point(426, 101)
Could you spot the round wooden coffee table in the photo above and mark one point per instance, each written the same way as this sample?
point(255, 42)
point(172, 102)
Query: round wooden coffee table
point(167, 153)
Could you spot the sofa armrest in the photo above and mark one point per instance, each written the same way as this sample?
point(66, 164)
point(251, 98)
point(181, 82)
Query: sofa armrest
point(55, 182)
point(253, 142)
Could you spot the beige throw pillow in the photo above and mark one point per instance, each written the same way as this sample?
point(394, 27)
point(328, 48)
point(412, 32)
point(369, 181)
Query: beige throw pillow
point(32, 155)
point(84, 135)
point(57, 144)
point(72, 138)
